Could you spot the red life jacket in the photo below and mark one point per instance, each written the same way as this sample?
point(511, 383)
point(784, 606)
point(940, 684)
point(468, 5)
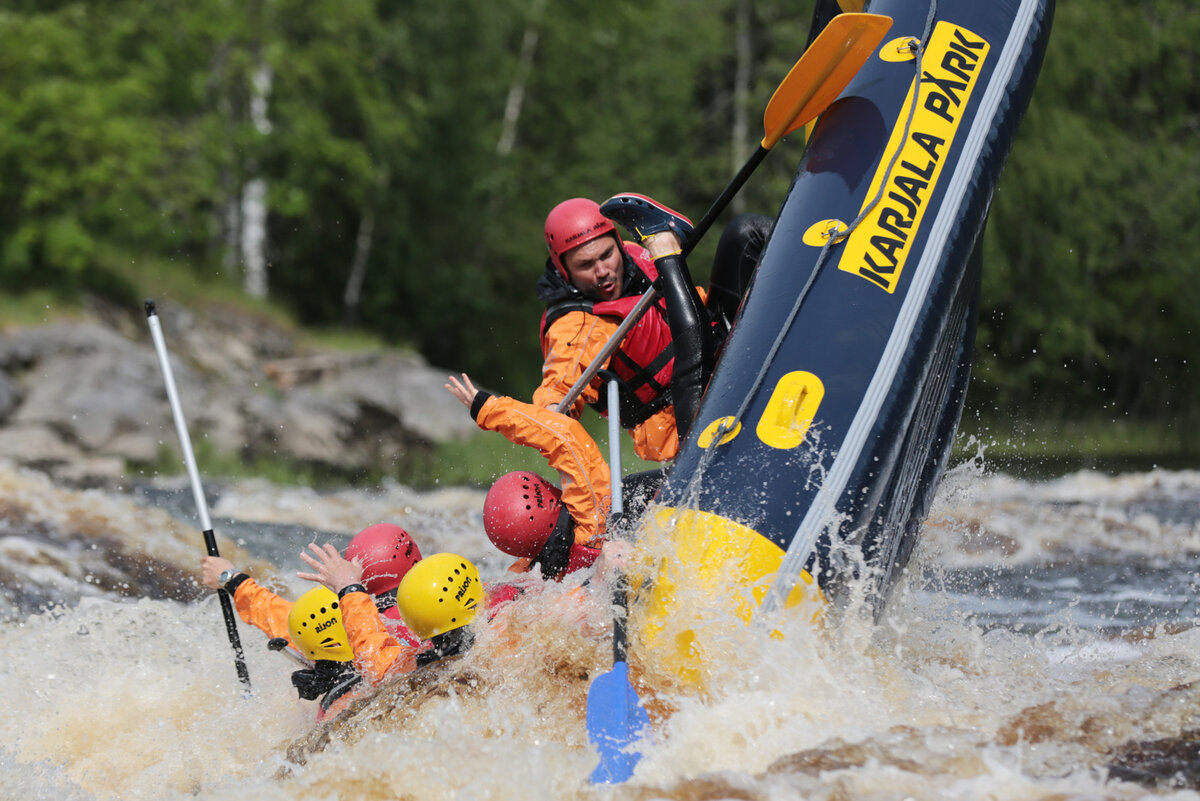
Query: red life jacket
point(646, 357)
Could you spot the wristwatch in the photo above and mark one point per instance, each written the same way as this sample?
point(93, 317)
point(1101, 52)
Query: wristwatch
point(226, 577)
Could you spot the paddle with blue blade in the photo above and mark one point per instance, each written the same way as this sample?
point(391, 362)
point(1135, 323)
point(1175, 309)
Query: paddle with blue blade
point(616, 719)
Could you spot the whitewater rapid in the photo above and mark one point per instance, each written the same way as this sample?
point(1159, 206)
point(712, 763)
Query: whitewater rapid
point(1044, 628)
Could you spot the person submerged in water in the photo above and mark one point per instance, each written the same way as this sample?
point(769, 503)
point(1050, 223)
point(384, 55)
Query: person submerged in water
point(316, 631)
point(438, 599)
point(312, 625)
point(386, 552)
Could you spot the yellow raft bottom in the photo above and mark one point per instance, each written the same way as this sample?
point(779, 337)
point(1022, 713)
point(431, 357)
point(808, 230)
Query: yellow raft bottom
point(705, 568)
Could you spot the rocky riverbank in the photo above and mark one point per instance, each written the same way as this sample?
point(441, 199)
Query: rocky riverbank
point(84, 400)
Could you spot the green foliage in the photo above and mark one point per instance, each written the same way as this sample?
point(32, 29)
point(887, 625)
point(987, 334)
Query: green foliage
point(229, 466)
point(1090, 292)
point(129, 131)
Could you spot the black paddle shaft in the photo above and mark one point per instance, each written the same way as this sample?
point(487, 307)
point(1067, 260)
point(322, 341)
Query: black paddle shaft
point(723, 199)
point(235, 639)
point(620, 618)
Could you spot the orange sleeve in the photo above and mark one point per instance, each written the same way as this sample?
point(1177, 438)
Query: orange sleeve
point(262, 608)
point(567, 446)
point(376, 653)
point(571, 344)
point(657, 439)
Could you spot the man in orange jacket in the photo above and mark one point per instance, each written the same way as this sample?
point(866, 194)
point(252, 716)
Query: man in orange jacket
point(593, 280)
point(314, 626)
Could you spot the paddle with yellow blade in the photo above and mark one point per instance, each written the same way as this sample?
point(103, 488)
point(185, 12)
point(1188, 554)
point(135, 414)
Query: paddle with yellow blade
point(812, 84)
point(615, 717)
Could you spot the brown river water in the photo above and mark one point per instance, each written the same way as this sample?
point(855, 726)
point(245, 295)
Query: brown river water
point(1043, 645)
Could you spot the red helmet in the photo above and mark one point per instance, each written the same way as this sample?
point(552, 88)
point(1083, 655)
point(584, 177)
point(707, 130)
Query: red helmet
point(520, 512)
point(386, 552)
point(572, 223)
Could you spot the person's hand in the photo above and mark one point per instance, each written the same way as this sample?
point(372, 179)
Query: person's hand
point(331, 569)
point(464, 390)
point(614, 555)
point(664, 243)
point(212, 567)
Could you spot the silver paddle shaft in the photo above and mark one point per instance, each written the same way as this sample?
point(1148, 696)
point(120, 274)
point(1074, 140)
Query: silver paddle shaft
point(185, 442)
point(607, 351)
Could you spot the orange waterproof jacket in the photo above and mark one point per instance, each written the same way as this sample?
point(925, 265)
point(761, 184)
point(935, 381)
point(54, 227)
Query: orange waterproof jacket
point(570, 344)
point(263, 609)
point(379, 644)
point(376, 652)
point(566, 445)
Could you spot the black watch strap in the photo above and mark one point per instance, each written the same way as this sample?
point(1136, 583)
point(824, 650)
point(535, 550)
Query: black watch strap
point(235, 582)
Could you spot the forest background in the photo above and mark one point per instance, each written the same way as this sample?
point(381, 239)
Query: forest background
point(384, 166)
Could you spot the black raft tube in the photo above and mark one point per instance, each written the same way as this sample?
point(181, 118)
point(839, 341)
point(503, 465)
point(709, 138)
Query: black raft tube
point(692, 335)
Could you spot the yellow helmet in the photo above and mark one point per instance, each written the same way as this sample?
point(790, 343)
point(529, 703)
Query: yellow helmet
point(315, 624)
point(439, 594)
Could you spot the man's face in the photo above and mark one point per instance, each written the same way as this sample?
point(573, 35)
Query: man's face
point(596, 268)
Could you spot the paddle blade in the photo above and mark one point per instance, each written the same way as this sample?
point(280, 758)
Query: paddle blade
point(615, 721)
point(822, 72)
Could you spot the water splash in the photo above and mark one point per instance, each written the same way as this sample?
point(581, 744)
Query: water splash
point(964, 689)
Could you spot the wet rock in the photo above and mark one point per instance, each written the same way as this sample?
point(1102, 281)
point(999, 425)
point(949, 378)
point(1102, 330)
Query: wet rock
point(10, 394)
point(705, 788)
point(94, 398)
point(1172, 762)
point(387, 707)
point(905, 748)
point(37, 446)
point(58, 546)
point(91, 394)
point(1035, 724)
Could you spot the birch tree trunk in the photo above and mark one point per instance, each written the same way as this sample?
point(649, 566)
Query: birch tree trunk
point(254, 190)
point(358, 268)
point(516, 90)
